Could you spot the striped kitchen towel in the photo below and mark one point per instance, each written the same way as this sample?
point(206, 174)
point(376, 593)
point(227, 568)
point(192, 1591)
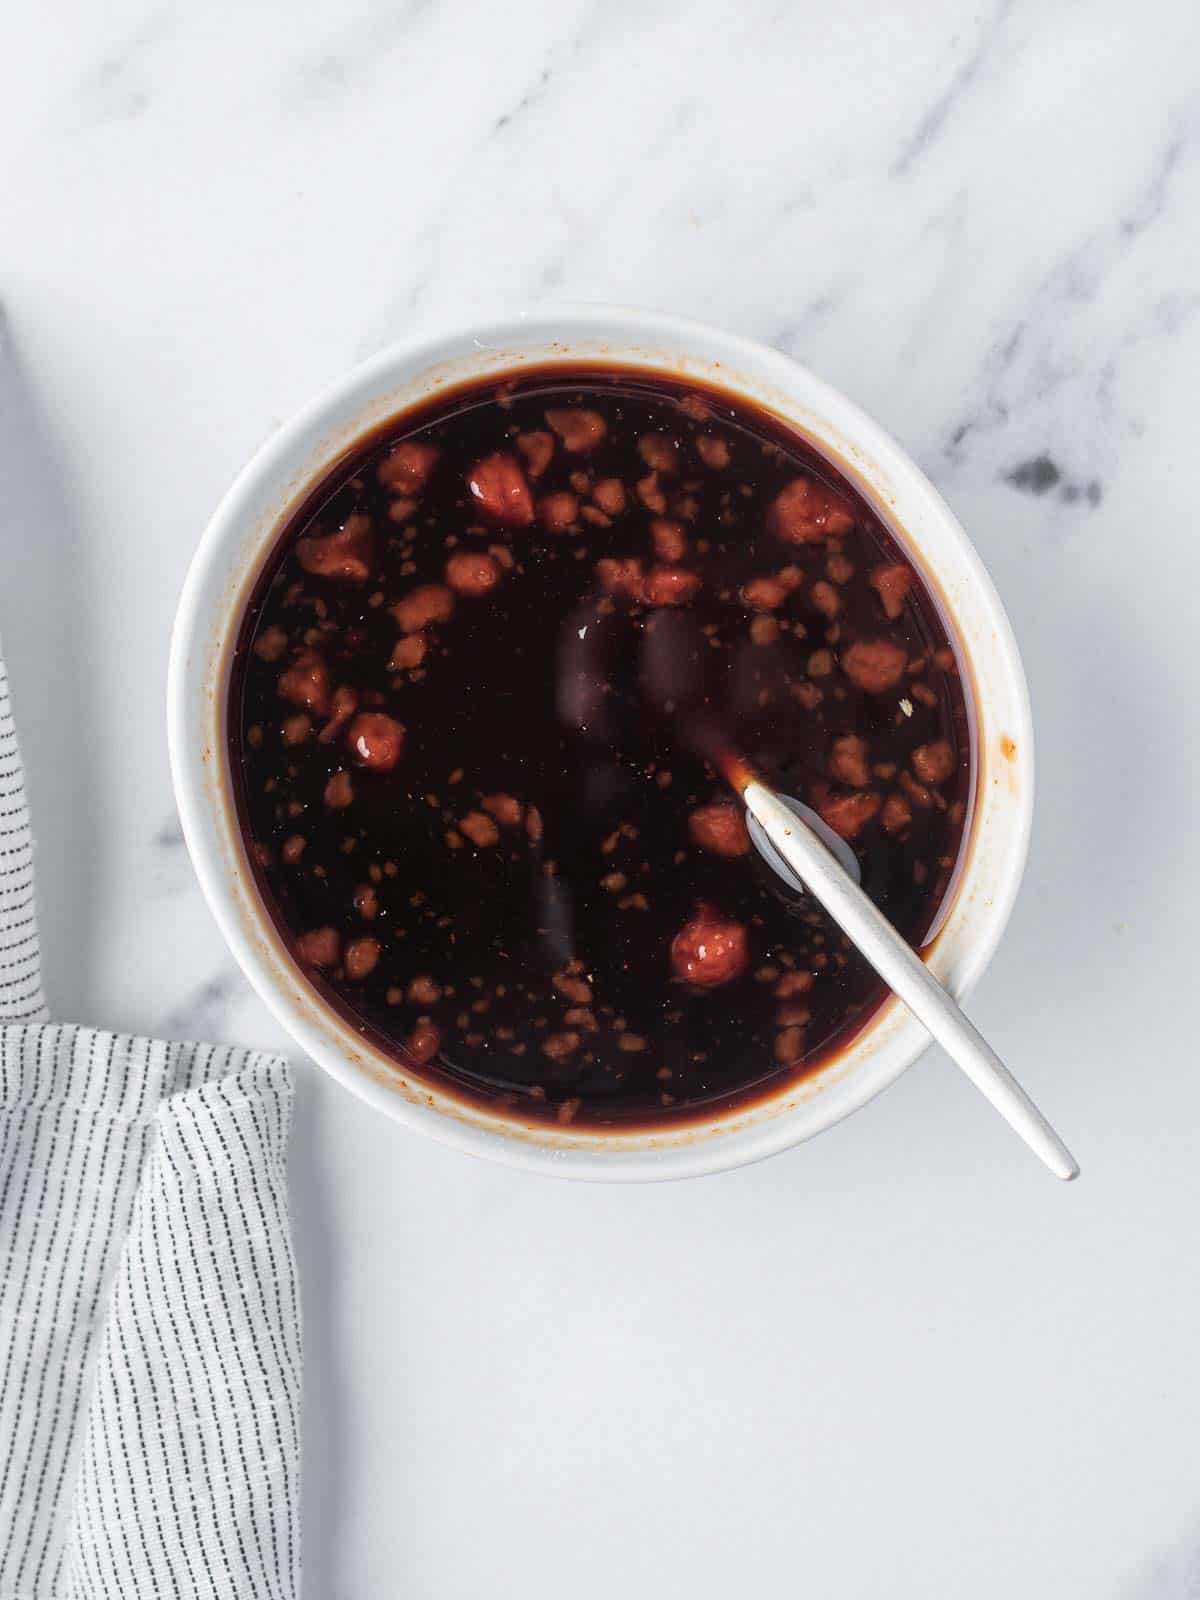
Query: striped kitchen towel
point(21, 998)
point(149, 1316)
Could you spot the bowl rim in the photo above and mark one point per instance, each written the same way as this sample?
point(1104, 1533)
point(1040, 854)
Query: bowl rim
point(242, 530)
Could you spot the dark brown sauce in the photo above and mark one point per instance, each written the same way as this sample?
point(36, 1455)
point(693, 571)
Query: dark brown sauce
point(519, 893)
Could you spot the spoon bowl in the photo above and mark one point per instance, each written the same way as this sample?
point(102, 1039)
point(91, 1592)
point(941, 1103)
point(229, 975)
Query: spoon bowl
point(833, 842)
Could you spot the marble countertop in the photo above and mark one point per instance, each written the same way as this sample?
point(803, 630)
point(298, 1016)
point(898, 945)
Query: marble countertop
point(899, 1360)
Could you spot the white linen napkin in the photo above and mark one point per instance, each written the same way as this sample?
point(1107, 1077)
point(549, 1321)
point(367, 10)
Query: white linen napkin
point(149, 1313)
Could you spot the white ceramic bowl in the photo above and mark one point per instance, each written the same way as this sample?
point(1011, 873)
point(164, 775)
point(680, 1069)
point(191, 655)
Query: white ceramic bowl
point(241, 534)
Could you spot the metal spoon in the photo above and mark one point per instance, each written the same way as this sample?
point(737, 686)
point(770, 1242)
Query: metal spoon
point(806, 854)
point(796, 844)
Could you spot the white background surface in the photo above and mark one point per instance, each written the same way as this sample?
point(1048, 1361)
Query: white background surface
point(899, 1360)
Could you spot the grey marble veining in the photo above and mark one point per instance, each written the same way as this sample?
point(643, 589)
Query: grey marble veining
point(936, 115)
point(201, 1013)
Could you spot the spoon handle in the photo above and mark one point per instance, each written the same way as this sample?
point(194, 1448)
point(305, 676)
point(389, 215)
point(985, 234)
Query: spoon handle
point(907, 975)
